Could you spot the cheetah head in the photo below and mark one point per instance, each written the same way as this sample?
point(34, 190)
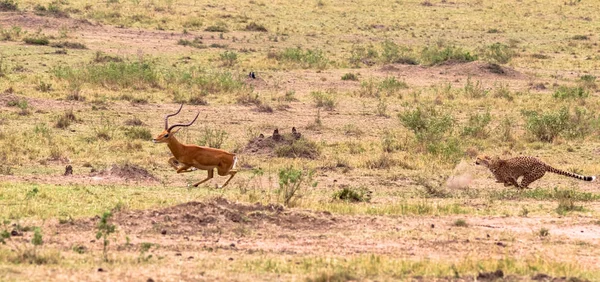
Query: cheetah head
point(483, 160)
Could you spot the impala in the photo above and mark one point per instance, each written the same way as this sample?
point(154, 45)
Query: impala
point(194, 156)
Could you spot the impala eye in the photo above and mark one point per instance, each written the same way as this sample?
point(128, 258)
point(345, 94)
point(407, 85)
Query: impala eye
point(166, 135)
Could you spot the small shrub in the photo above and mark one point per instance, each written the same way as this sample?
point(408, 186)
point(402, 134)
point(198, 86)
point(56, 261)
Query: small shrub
point(303, 58)
point(135, 121)
point(428, 125)
point(198, 99)
point(53, 9)
point(546, 126)
point(382, 107)
point(41, 40)
point(69, 45)
point(255, 27)
point(588, 81)
point(391, 86)
point(193, 24)
point(9, 5)
point(474, 90)
point(460, 223)
point(291, 180)
point(43, 86)
point(212, 137)
point(351, 194)
point(392, 53)
point(138, 133)
point(104, 230)
point(566, 202)
point(435, 55)
point(499, 53)
point(19, 103)
point(301, 148)
point(477, 126)
point(65, 120)
point(564, 92)
point(384, 161)
point(324, 100)
point(196, 43)
point(363, 55)
point(352, 130)
point(101, 57)
point(502, 91)
point(350, 76)
point(228, 58)
point(580, 37)
point(219, 27)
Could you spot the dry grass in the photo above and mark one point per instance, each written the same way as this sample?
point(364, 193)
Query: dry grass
point(344, 79)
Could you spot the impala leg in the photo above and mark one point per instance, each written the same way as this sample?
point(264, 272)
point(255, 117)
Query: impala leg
point(184, 168)
point(232, 173)
point(210, 175)
point(173, 162)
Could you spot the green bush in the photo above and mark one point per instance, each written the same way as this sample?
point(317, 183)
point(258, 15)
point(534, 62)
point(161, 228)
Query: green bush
point(137, 132)
point(435, 55)
point(137, 75)
point(428, 124)
point(304, 58)
point(291, 181)
point(212, 137)
point(38, 40)
point(255, 27)
point(499, 53)
point(350, 76)
point(351, 194)
point(477, 126)
point(324, 100)
point(301, 148)
point(360, 55)
point(219, 27)
point(8, 5)
point(392, 53)
point(228, 58)
point(546, 126)
point(565, 92)
point(196, 43)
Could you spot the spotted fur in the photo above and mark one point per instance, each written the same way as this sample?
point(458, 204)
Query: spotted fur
point(530, 168)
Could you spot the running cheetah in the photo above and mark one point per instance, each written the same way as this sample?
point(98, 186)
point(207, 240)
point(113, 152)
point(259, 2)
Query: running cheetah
point(532, 169)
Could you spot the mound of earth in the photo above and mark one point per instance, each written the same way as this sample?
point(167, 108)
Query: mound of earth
point(478, 68)
point(127, 172)
point(290, 145)
point(203, 217)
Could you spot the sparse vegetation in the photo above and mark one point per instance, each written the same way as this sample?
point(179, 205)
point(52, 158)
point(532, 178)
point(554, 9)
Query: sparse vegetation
point(324, 100)
point(352, 194)
point(70, 117)
point(308, 58)
point(438, 54)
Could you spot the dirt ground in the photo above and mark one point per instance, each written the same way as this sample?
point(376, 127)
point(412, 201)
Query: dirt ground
point(197, 231)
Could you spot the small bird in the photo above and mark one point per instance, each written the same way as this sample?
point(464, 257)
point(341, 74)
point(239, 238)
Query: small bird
point(295, 133)
point(252, 75)
point(276, 136)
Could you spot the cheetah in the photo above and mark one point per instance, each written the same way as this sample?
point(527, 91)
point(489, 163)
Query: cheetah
point(508, 171)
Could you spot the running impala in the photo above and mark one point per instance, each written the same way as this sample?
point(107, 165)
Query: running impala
point(189, 157)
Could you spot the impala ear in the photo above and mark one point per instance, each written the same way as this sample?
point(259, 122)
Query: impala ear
point(175, 131)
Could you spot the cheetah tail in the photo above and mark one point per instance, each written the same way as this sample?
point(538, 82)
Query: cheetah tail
point(570, 174)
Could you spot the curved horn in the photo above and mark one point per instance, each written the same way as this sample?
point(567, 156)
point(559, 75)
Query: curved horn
point(167, 116)
point(185, 125)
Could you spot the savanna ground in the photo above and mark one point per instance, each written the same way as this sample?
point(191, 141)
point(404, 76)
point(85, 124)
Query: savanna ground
point(393, 99)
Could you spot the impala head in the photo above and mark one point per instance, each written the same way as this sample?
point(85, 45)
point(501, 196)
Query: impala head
point(168, 133)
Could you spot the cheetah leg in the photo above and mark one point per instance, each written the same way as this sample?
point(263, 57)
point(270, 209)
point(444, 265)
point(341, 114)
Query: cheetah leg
point(531, 177)
point(513, 182)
